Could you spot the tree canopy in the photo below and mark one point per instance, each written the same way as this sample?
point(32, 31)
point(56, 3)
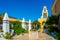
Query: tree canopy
point(35, 25)
point(52, 20)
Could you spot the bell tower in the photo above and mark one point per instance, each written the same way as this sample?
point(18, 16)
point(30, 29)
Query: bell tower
point(44, 12)
point(43, 18)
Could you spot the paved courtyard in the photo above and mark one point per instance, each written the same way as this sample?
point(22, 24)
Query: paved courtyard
point(42, 36)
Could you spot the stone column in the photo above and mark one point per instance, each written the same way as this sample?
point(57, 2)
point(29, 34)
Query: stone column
point(5, 23)
point(29, 25)
point(23, 24)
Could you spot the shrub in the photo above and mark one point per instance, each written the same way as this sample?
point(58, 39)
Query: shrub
point(7, 36)
point(52, 29)
point(17, 27)
point(57, 36)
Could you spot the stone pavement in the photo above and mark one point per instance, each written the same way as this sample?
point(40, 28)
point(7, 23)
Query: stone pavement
point(42, 36)
point(21, 37)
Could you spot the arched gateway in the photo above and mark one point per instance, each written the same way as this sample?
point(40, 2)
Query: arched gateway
point(43, 18)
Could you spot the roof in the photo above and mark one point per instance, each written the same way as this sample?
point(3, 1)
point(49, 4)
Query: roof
point(6, 17)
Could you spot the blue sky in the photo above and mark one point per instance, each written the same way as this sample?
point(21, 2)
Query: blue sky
point(29, 9)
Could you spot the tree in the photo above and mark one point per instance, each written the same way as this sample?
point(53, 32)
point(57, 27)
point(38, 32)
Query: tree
point(52, 28)
point(36, 25)
point(52, 20)
point(18, 28)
